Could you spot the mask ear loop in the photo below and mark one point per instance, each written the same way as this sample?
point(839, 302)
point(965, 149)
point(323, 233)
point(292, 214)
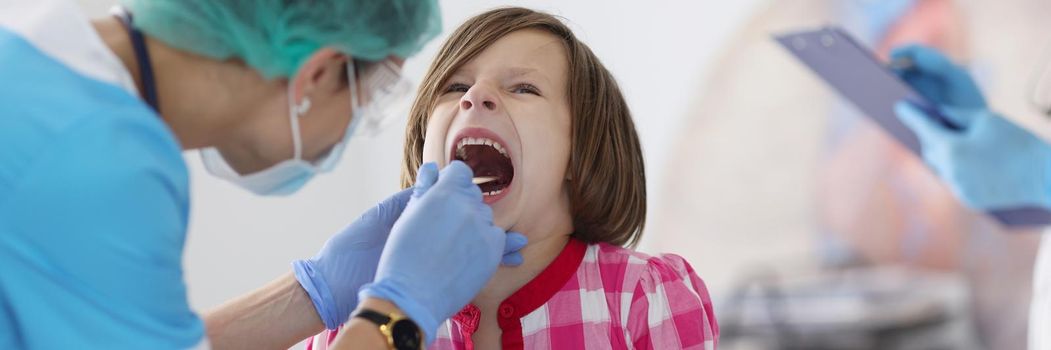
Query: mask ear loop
point(328, 160)
point(294, 112)
point(352, 82)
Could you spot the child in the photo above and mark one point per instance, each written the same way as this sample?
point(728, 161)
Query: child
point(514, 95)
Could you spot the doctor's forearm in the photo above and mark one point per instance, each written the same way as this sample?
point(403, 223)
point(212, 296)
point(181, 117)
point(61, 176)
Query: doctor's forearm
point(276, 316)
point(358, 334)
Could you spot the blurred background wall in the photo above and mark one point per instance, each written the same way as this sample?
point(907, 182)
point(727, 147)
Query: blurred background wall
point(773, 174)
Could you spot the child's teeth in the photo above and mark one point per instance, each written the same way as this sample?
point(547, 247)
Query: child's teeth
point(468, 141)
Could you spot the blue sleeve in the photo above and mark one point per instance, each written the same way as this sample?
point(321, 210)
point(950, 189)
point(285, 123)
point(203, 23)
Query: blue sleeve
point(92, 229)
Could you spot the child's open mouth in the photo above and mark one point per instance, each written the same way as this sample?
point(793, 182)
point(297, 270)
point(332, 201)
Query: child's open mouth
point(490, 161)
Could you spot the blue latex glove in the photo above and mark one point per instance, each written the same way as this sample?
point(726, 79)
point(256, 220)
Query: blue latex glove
point(989, 162)
point(442, 250)
point(938, 79)
point(333, 277)
point(348, 260)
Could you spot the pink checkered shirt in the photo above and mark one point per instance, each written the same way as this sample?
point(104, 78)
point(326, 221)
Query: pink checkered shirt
point(595, 296)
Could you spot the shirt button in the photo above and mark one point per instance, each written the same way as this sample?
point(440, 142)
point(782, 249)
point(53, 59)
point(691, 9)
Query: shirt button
point(507, 310)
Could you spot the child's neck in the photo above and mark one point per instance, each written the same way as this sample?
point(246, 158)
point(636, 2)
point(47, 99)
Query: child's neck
point(507, 280)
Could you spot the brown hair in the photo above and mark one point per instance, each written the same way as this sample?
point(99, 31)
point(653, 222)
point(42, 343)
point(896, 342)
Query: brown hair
point(607, 186)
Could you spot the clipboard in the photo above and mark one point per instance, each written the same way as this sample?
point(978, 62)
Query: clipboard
point(861, 78)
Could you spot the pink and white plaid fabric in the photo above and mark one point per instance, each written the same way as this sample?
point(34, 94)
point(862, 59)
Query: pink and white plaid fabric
point(596, 296)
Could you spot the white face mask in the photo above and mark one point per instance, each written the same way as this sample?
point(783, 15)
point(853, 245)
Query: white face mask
point(290, 175)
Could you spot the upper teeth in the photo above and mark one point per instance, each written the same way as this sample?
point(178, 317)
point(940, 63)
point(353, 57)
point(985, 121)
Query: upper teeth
point(480, 141)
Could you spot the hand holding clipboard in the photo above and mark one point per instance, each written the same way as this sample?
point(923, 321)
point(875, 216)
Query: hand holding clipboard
point(859, 76)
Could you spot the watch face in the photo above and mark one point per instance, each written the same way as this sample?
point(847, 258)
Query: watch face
point(406, 335)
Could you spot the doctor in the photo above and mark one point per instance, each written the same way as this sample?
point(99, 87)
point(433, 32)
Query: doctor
point(94, 116)
point(990, 163)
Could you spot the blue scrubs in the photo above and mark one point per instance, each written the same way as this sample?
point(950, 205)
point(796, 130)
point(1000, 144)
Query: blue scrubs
point(93, 212)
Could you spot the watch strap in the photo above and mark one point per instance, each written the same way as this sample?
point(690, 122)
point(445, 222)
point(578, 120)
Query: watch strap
point(374, 317)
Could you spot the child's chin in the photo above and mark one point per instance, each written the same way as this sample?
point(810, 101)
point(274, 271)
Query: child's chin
point(503, 217)
point(507, 225)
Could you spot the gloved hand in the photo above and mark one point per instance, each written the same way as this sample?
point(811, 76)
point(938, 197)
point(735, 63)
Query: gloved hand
point(989, 163)
point(939, 80)
point(333, 277)
point(348, 260)
point(442, 250)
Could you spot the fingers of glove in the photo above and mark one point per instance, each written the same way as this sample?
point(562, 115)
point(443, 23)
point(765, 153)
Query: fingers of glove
point(965, 117)
point(425, 178)
point(939, 143)
point(457, 174)
point(936, 77)
point(925, 60)
point(513, 244)
point(926, 127)
point(392, 207)
point(455, 178)
point(512, 259)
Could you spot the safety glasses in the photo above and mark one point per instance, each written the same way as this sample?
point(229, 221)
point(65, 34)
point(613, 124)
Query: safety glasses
point(377, 94)
point(380, 93)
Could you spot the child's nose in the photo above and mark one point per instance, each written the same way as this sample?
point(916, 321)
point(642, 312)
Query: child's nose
point(478, 95)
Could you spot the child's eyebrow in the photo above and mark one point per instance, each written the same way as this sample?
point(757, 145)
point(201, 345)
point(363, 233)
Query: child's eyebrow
point(514, 72)
point(505, 73)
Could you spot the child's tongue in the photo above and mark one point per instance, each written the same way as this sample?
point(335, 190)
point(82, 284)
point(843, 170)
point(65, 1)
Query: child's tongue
point(486, 161)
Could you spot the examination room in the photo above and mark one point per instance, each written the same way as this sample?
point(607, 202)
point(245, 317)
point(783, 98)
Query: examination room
point(739, 175)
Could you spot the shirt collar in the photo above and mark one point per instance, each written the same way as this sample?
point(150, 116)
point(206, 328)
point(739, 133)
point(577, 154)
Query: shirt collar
point(59, 29)
point(544, 286)
point(527, 299)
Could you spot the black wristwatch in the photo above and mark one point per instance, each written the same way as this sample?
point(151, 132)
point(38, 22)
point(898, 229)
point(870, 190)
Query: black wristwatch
point(401, 332)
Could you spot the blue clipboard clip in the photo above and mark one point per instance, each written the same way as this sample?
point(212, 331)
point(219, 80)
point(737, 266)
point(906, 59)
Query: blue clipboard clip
point(870, 85)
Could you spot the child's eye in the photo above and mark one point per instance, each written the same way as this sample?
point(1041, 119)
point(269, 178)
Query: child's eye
point(457, 87)
point(526, 89)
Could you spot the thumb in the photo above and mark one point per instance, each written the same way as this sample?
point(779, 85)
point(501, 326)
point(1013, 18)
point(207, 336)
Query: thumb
point(425, 178)
point(926, 127)
point(457, 174)
point(964, 117)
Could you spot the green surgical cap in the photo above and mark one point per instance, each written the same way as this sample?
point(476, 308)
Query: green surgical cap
point(276, 36)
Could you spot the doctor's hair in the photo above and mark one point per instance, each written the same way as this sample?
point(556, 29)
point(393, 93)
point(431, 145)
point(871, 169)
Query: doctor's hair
point(606, 180)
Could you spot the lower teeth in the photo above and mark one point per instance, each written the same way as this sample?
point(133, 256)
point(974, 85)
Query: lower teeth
point(493, 193)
